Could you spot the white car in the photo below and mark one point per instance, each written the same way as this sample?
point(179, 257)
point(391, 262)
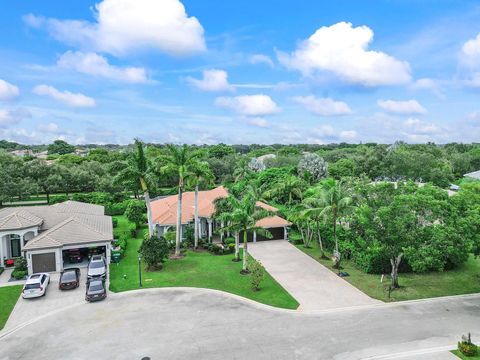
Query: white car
point(36, 285)
point(97, 267)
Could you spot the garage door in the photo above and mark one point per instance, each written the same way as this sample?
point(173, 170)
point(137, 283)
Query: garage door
point(43, 262)
point(277, 234)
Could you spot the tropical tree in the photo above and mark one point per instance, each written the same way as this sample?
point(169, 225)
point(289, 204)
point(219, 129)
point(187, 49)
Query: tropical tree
point(243, 215)
point(312, 167)
point(181, 161)
point(138, 172)
point(335, 202)
point(286, 190)
point(199, 174)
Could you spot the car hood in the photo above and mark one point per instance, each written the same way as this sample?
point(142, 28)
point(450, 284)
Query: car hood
point(96, 272)
point(96, 292)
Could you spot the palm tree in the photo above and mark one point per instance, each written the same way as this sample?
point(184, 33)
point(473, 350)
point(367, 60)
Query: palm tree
point(199, 174)
point(137, 172)
point(290, 188)
point(181, 161)
point(242, 215)
point(242, 171)
point(336, 204)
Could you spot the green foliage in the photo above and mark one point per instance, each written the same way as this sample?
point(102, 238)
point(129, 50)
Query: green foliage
point(135, 212)
point(21, 264)
point(257, 272)
point(154, 251)
point(19, 274)
point(466, 347)
point(60, 147)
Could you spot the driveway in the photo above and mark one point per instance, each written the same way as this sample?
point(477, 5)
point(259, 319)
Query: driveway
point(312, 284)
point(184, 323)
point(27, 309)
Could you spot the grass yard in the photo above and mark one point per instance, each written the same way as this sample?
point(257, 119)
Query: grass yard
point(8, 298)
point(461, 356)
point(464, 280)
point(196, 269)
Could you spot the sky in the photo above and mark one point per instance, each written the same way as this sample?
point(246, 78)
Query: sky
point(240, 72)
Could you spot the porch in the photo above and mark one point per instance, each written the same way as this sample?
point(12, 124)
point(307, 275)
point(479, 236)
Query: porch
point(12, 243)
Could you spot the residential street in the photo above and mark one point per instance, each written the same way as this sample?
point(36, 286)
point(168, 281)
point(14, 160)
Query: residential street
point(204, 324)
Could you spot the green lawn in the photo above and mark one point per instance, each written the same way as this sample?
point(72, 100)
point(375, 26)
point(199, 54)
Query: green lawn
point(196, 269)
point(465, 280)
point(461, 356)
point(8, 298)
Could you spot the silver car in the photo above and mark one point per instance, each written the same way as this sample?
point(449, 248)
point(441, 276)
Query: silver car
point(97, 267)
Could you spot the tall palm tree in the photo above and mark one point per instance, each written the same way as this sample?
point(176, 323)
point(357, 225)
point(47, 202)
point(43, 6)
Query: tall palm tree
point(137, 172)
point(199, 174)
point(336, 203)
point(243, 215)
point(181, 161)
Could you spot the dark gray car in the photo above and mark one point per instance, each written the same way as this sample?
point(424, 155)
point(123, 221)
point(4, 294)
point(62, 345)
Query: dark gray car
point(95, 290)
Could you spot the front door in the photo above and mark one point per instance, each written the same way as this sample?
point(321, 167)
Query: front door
point(15, 247)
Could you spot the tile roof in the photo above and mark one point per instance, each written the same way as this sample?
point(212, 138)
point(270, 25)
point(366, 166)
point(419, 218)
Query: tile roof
point(66, 223)
point(164, 211)
point(473, 175)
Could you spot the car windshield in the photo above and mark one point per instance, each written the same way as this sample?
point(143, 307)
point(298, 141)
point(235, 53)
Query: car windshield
point(96, 287)
point(96, 264)
point(32, 286)
point(69, 276)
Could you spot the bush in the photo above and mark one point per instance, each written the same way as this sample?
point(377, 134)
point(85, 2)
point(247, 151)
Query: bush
point(116, 208)
point(114, 222)
point(154, 252)
point(58, 199)
point(256, 274)
point(21, 264)
point(216, 249)
point(1, 270)
point(229, 240)
point(231, 248)
point(466, 347)
point(19, 274)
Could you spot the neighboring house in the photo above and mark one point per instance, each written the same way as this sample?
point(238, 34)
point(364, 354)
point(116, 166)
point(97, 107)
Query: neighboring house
point(43, 234)
point(473, 175)
point(164, 215)
point(22, 153)
point(41, 155)
point(81, 152)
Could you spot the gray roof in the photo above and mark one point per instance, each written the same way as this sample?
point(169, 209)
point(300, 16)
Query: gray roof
point(67, 223)
point(473, 175)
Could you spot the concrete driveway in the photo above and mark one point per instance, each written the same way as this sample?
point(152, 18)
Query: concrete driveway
point(312, 284)
point(184, 323)
point(28, 309)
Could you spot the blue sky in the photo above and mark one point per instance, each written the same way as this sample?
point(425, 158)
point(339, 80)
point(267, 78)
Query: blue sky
point(240, 71)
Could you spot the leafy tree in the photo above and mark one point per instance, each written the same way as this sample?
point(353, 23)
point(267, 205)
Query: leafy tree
point(257, 273)
point(47, 179)
point(181, 162)
point(312, 166)
point(286, 190)
point(342, 168)
point(60, 147)
point(135, 212)
point(220, 151)
point(154, 251)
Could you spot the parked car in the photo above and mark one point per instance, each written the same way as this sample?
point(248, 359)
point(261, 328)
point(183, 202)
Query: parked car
point(36, 285)
point(97, 267)
point(74, 256)
point(69, 279)
point(95, 290)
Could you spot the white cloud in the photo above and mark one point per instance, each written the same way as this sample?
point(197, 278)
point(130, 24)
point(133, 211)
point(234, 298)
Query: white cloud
point(249, 105)
point(323, 106)
point(8, 91)
point(429, 84)
point(261, 59)
point(52, 128)
point(347, 135)
point(97, 65)
point(418, 127)
point(213, 80)
point(470, 62)
point(258, 121)
point(126, 26)
point(65, 97)
point(402, 107)
point(474, 115)
point(12, 117)
point(343, 50)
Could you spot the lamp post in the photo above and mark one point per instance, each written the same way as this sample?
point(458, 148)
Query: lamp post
point(140, 270)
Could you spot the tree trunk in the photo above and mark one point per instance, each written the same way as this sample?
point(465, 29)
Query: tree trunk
point(336, 256)
point(237, 247)
point(149, 213)
point(195, 245)
point(245, 253)
point(395, 262)
point(179, 222)
point(320, 242)
point(48, 197)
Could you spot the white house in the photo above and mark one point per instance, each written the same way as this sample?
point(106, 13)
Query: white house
point(43, 234)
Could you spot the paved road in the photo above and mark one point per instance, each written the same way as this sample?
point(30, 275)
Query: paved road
point(312, 284)
point(206, 324)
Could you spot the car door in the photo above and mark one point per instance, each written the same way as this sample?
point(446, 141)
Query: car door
point(44, 282)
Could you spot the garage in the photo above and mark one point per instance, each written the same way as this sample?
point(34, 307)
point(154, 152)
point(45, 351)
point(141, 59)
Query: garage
point(43, 262)
point(277, 234)
point(80, 256)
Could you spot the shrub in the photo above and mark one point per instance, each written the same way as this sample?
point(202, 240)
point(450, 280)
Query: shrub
point(216, 249)
point(116, 208)
point(135, 212)
point(154, 252)
point(231, 248)
point(114, 222)
point(21, 264)
point(1, 270)
point(58, 199)
point(19, 274)
point(256, 274)
point(466, 347)
point(229, 240)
